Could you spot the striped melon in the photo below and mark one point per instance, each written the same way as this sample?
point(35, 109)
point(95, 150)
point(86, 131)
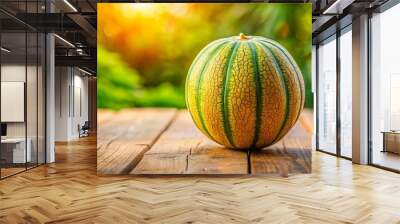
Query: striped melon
point(244, 91)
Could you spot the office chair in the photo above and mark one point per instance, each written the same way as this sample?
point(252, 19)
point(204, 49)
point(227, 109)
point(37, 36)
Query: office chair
point(84, 130)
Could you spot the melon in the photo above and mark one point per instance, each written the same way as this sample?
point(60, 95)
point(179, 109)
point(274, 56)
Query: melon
point(244, 92)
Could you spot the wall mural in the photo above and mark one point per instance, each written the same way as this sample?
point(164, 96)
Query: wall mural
point(201, 88)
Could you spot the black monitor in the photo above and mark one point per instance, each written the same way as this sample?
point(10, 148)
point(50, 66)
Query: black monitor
point(3, 129)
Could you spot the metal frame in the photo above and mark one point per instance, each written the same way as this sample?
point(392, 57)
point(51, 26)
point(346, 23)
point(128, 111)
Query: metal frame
point(316, 97)
point(37, 92)
point(369, 114)
point(0, 92)
point(26, 89)
point(44, 73)
point(338, 98)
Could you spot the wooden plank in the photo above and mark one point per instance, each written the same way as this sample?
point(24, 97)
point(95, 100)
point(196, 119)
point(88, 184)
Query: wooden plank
point(298, 146)
point(169, 154)
point(271, 160)
point(163, 163)
point(210, 159)
point(306, 119)
point(182, 149)
point(104, 115)
point(122, 141)
point(290, 155)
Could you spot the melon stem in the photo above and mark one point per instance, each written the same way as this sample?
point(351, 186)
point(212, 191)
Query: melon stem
point(242, 37)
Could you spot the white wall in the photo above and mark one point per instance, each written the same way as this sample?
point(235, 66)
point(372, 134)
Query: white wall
point(62, 81)
point(71, 94)
point(80, 110)
point(13, 101)
point(14, 73)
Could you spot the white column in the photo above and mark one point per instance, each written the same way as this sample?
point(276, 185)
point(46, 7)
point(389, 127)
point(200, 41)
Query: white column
point(50, 92)
point(50, 98)
point(360, 90)
point(63, 100)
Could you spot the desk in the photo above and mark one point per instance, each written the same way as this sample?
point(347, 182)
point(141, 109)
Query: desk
point(391, 141)
point(15, 148)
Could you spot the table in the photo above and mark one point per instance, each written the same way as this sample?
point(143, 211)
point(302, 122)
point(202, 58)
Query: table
point(16, 153)
point(391, 141)
point(166, 141)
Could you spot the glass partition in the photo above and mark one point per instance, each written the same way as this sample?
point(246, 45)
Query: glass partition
point(327, 95)
point(41, 109)
point(14, 145)
point(32, 96)
point(22, 89)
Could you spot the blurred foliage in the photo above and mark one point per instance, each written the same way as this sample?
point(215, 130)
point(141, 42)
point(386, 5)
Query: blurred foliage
point(121, 87)
point(145, 50)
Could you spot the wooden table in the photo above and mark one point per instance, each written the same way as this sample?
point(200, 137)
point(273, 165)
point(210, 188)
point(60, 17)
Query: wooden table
point(391, 141)
point(166, 141)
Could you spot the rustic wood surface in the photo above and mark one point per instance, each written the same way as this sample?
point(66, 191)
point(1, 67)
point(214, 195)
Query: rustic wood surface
point(166, 141)
point(182, 149)
point(123, 138)
point(290, 155)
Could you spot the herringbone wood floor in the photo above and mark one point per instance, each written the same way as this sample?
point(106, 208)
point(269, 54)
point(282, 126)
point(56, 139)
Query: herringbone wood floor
point(69, 191)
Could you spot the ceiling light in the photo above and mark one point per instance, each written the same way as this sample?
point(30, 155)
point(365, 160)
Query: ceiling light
point(65, 41)
point(70, 5)
point(5, 50)
point(338, 6)
point(79, 51)
point(84, 71)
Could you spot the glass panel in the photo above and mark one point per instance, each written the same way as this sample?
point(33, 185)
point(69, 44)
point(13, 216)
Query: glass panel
point(13, 86)
point(41, 98)
point(23, 90)
point(32, 89)
point(346, 94)
point(31, 99)
point(385, 84)
point(327, 96)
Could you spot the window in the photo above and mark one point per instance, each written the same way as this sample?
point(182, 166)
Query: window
point(327, 96)
point(346, 92)
point(334, 106)
point(385, 89)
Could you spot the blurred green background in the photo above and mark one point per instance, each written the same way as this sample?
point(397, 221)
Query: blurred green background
point(146, 49)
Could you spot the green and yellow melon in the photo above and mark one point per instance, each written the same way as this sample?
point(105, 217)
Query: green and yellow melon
point(244, 91)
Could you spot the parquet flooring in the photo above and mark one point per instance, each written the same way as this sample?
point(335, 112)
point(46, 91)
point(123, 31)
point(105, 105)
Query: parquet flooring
point(165, 141)
point(11, 170)
point(69, 191)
